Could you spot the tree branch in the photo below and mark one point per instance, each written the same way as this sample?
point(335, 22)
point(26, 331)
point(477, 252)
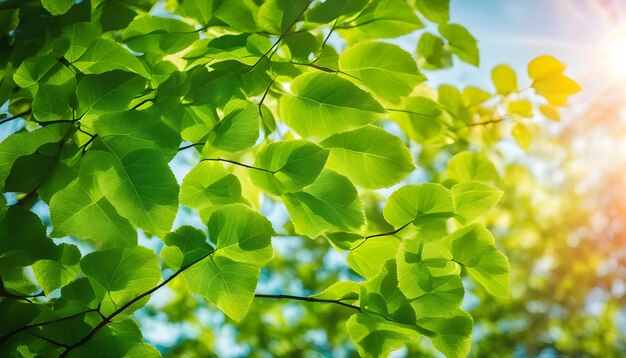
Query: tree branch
point(491, 121)
point(40, 324)
point(19, 115)
point(142, 103)
point(280, 38)
point(240, 164)
point(108, 318)
point(393, 232)
point(307, 299)
point(191, 145)
point(48, 340)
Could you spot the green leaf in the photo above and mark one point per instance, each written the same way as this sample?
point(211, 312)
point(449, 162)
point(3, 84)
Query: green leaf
point(117, 339)
point(107, 92)
point(381, 295)
point(158, 34)
point(16, 315)
point(331, 203)
point(81, 210)
point(432, 54)
point(199, 10)
point(29, 171)
point(473, 246)
point(228, 284)
point(208, 186)
point(415, 202)
point(80, 293)
point(382, 19)
point(105, 55)
point(238, 14)
point(23, 239)
point(241, 234)
point(228, 278)
point(329, 10)
point(323, 104)
point(340, 291)
point(122, 274)
point(504, 79)
point(238, 129)
point(452, 336)
point(52, 274)
point(52, 102)
point(369, 258)
point(434, 10)
point(302, 46)
point(293, 164)
point(125, 132)
point(80, 36)
point(471, 166)
point(429, 294)
point(474, 199)
point(370, 157)
point(218, 86)
point(420, 119)
point(344, 240)
point(141, 187)
point(57, 7)
point(276, 16)
point(376, 337)
point(184, 246)
point(389, 71)
point(45, 69)
point(462, 43)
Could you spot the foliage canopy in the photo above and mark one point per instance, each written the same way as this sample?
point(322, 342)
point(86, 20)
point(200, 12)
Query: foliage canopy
point(108, 90)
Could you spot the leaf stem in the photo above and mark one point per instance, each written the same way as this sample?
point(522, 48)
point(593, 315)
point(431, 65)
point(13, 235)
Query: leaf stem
point(240, 164)
point(191, 145)
point(307, 299)
point(19, 115)
point(280, 38)
point(39, 324)
point(142, 103)
point(48, 340)
point(491, 121)
point(393, 232)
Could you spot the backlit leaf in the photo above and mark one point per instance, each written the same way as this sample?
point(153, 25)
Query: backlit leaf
point(292, 165)
point(331, 203)
point(369, 156)
point(121, 274)
point(473, 246)
point(323, 104)
point(386, 69)
point(462, 43)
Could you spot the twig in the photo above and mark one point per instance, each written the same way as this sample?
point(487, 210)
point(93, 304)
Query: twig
point(240, 164)
point(393, 232)
point(19, 115)
point(307, 299)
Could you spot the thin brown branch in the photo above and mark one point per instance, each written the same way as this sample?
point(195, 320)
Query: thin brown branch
point(491, 121)
point(307, 299)
point(49, 340)
point(191, 146)
point(393, 232)
point(19, 115)
point(240, 164)
point(40, 324)
point(110, 317)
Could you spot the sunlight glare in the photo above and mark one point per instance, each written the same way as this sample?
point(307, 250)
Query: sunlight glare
point(615, 52)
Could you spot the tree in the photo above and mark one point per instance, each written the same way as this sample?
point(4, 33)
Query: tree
point(274, 118)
